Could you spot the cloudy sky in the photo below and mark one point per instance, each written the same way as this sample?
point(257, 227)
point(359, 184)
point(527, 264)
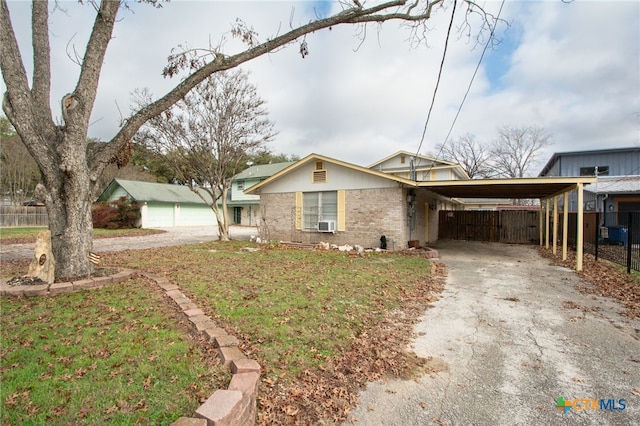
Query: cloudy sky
point(572, 68)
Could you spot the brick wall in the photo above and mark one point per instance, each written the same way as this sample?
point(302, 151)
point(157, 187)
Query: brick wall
point(370, 213)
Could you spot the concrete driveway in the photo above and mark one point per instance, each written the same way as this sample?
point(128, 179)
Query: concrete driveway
point(171, 237)
point(509, 335)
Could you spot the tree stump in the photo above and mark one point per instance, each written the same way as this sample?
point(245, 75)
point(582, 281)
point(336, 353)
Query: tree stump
point(43, 266)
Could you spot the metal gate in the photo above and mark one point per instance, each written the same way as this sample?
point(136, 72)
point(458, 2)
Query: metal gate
point(505, 226)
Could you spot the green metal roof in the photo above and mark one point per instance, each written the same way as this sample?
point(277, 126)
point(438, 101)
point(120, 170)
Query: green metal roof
point(262, 171)
point(153, 192)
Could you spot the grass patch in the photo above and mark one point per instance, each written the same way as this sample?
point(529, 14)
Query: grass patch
point(29, 235)
point(306, 316)
point(298, 306)
point(118, 355)
point(320, 323)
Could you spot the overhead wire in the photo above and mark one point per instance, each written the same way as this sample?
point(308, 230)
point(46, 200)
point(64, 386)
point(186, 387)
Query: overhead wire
point(435, 90)
point(475, 72)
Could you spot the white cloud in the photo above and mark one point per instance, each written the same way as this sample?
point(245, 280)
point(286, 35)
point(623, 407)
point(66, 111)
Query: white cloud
point(573, 69)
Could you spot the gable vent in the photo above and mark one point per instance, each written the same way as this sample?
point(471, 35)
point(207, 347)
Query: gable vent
point(319, 176)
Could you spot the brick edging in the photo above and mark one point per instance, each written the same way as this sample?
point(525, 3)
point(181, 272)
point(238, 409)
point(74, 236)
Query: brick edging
point(236, 405)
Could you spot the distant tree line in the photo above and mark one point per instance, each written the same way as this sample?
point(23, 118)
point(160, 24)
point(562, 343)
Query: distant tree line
point(514, 153)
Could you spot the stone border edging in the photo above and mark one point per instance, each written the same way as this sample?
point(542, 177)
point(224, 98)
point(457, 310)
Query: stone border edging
point(236, 405)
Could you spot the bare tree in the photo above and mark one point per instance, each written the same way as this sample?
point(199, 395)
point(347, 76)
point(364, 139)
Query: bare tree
point(209, 136)
point(517, 150)
point(19, 174)
point(70, 167)
point(470, 153)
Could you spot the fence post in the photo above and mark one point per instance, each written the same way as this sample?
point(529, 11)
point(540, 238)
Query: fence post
point(629, 241)
point(597, 233)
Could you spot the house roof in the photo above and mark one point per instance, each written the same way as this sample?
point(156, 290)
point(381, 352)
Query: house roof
point(410, 154)
point(262, 170)
point(313, 157)
point(153, 192)
point(423, 163)
point(615, 185)
point(557, 155)
point(472, 188)
point(513, 188)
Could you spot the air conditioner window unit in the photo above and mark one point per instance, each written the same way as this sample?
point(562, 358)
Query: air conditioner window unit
point(327, 226)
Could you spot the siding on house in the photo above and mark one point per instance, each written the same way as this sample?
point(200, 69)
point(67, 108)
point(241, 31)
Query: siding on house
point(621, 165)
point(621, 162)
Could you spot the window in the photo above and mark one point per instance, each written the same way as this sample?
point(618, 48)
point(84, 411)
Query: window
point(317, 206)
point(237, 215)
point(240, 185)
point(591, 171)
point(402, 159)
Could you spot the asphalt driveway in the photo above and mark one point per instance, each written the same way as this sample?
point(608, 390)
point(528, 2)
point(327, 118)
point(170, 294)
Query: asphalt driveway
point(508, 337)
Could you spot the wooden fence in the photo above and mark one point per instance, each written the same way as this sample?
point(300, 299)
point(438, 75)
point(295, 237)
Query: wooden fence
point(506, 226)
point(14, 216)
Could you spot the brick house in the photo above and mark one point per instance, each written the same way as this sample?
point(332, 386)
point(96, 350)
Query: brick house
point(323, 199)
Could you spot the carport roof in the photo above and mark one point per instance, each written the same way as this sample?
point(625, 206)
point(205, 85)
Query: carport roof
point(512, 188)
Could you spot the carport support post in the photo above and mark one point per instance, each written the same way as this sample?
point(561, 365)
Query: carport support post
point(555, 224)
point(565, 225)
point(546, 227)
point(580, 226)
point(541, 224)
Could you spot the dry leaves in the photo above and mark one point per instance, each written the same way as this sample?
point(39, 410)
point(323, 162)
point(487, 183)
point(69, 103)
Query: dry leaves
point(327, 394)
point(608, 281)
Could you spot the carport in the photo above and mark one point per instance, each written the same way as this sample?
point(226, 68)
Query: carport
point(547, 189)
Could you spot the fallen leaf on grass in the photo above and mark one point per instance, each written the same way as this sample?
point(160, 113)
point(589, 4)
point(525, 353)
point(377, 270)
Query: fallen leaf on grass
point(290, 410)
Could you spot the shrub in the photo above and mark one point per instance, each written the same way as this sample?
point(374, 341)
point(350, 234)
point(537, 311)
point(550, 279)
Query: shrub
point(121, 214)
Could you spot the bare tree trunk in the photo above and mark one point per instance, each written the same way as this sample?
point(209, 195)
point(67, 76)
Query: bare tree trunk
point(68, 196)
point(223, 222)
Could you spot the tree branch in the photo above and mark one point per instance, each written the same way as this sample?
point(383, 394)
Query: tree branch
point(85, 92)
point(220, 62)
point(41, 87)
point(17, 101)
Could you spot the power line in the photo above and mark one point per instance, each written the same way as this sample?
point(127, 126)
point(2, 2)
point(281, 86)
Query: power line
point(491, 36)
point(435, 90)
point(475, 72)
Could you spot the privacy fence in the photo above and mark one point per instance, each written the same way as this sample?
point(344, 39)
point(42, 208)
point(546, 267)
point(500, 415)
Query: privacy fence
point(13, 216)
point(506, 226)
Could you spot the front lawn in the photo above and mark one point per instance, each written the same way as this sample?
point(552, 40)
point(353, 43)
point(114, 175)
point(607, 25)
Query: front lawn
point(320, 323)
point(118, 355)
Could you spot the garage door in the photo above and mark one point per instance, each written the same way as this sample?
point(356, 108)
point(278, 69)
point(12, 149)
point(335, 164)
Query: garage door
point(159, 216)
point(193, 215)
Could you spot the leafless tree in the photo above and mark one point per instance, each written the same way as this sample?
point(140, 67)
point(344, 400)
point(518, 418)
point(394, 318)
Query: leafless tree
point(470, 153)
point(70, 167)
point(209, 136)
point(516, 151)
point(19, 174)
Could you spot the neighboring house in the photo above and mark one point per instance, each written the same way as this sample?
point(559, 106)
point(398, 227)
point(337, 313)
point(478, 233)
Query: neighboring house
point(244, 209)
point(617, 171)
point(424, 168)
point(161, 205)
point(323, 199)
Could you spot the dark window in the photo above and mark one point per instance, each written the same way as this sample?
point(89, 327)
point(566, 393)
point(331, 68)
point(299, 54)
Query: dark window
point(591, 171)
point(240, 185)
point(237, 215)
